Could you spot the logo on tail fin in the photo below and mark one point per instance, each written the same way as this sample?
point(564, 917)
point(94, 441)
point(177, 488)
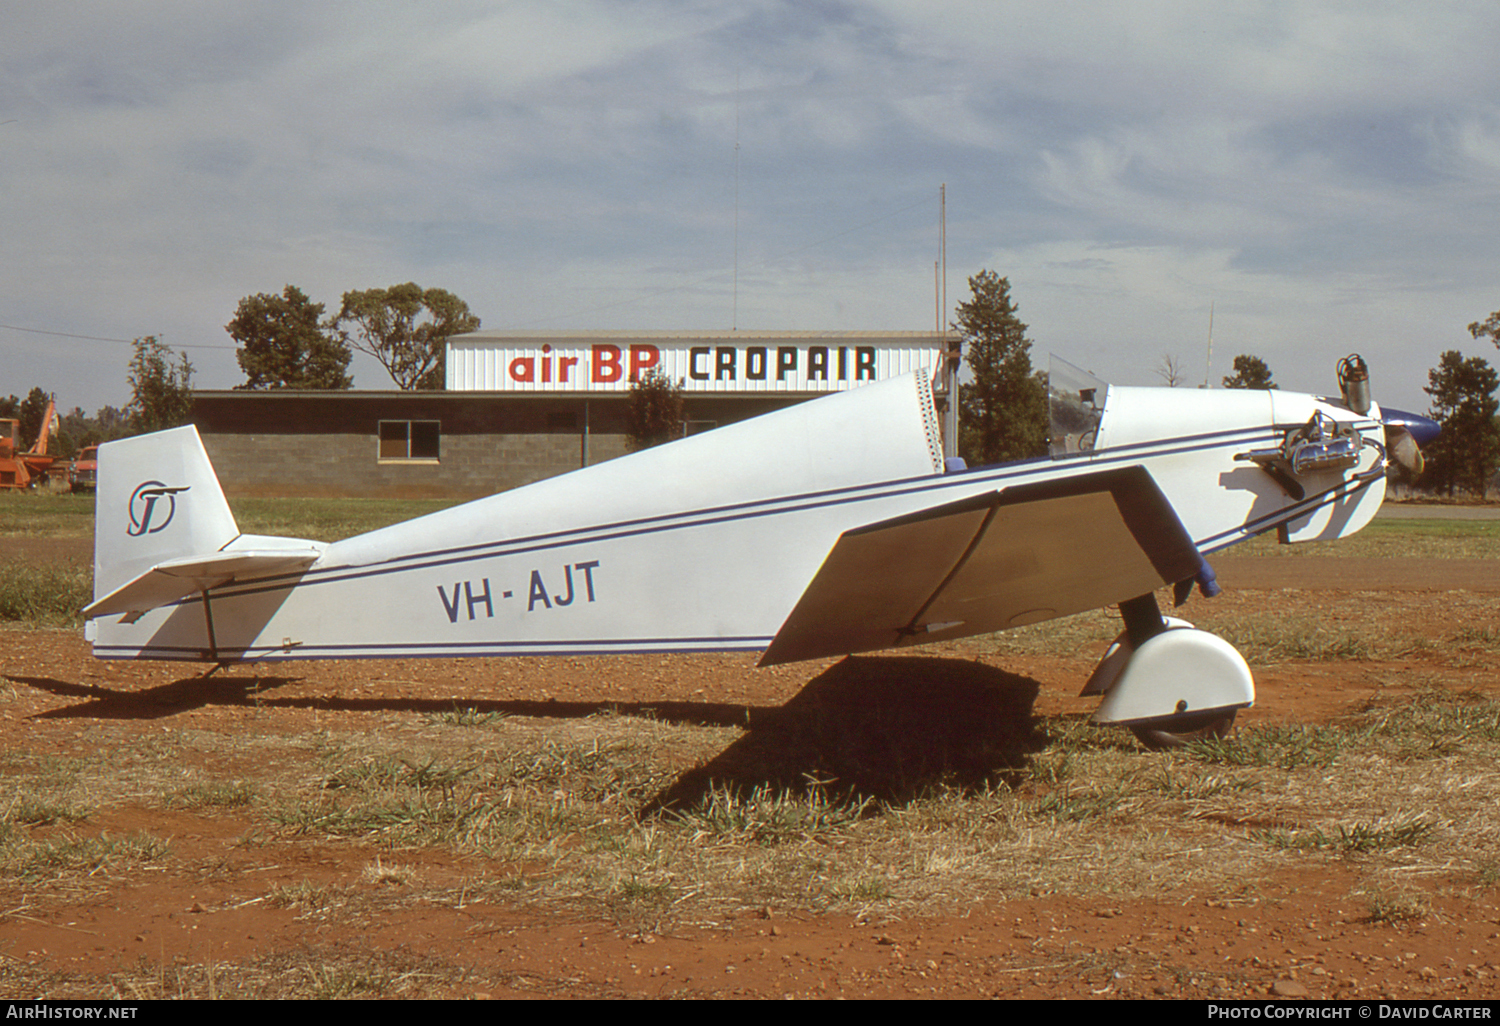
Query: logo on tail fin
point(144, 503)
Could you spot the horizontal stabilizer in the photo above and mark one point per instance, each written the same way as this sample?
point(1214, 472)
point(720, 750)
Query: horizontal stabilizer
point(990, 562)
point(173, 579)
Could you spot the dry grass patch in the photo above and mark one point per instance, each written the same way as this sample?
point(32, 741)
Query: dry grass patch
point(308, 974)
point(70, 857)
point(213, 794)
point(887, 786)
point(39, 792)
point(383, 875)
point(306, 897)
point(1394, 904)
point(1298, 626)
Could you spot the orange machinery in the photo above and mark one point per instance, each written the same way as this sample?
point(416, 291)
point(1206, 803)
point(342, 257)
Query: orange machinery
point(24, 469)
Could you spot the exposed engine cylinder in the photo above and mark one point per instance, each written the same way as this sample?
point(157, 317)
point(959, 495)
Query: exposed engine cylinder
point(1354, 382)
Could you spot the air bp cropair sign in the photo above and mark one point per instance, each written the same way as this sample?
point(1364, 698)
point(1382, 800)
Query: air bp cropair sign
point(732, 362)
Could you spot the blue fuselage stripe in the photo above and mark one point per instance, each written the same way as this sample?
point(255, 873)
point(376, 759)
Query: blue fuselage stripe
point(968, 480)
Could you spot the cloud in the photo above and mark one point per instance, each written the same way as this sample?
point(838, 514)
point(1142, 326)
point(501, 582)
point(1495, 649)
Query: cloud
point(577, 162)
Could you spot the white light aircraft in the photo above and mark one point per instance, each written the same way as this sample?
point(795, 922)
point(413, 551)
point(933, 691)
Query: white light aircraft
point(824, 529)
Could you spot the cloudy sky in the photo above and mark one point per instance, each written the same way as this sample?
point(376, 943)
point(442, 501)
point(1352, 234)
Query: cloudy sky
point(1325, 174)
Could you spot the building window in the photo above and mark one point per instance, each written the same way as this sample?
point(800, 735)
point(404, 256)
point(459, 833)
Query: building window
point(409, 440)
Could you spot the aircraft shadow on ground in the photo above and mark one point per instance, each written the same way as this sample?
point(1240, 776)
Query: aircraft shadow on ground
point(96, 702)
point(224, 691)
point(887, 728)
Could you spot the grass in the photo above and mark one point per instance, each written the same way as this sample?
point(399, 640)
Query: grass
point(30, 861)
point(766, 817)
point(305, 897)
point(61, 515)
point(1394, 907)
point(1352, 838)
point(51, 593)
point(1298, 626)
point(466, 716)
point(555, 819)
point(1188, 784)
point(563, 816)
point(1269, 638)
point(1281, 747)
point(1437, 721)
point(1077, 805)
point(1393, 538)
point(402, 801)
point(45, 594)
point(328, 519)
point(313, 974)
point(214, 795)
point(36, 810)
point(46, 514)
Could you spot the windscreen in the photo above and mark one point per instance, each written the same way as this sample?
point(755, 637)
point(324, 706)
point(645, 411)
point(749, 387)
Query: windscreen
point(1075, 401)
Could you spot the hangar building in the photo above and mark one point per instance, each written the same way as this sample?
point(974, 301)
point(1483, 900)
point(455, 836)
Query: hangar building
point(522, 406)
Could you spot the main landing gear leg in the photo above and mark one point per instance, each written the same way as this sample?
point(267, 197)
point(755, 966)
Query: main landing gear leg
point(1169, 682)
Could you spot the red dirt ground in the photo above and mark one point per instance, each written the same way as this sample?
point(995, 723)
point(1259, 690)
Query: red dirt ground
point(1311, 941)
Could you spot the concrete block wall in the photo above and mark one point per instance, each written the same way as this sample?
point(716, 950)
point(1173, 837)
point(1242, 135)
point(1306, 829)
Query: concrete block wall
point(327, 443)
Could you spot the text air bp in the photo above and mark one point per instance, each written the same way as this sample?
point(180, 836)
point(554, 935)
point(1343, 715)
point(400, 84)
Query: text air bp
point(549, 589)
point(810, 367)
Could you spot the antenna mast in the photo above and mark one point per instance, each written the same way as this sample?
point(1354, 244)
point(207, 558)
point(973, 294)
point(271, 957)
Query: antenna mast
point(1208, 370)
point(734, 315)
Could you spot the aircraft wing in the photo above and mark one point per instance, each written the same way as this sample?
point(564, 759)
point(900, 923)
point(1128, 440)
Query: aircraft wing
point(173, 579)
point(998, 560)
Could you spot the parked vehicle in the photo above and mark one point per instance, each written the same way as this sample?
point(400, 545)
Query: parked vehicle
point(84, 474)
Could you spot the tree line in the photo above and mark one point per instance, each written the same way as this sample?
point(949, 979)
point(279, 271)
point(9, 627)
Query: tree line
point(161, 389)
point(286, 341)
point(283, 341)
point(1464, 458)
point(1003, 412)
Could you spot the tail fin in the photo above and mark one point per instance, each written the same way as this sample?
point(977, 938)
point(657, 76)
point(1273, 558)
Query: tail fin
point(162, 529)
point(158, 499)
